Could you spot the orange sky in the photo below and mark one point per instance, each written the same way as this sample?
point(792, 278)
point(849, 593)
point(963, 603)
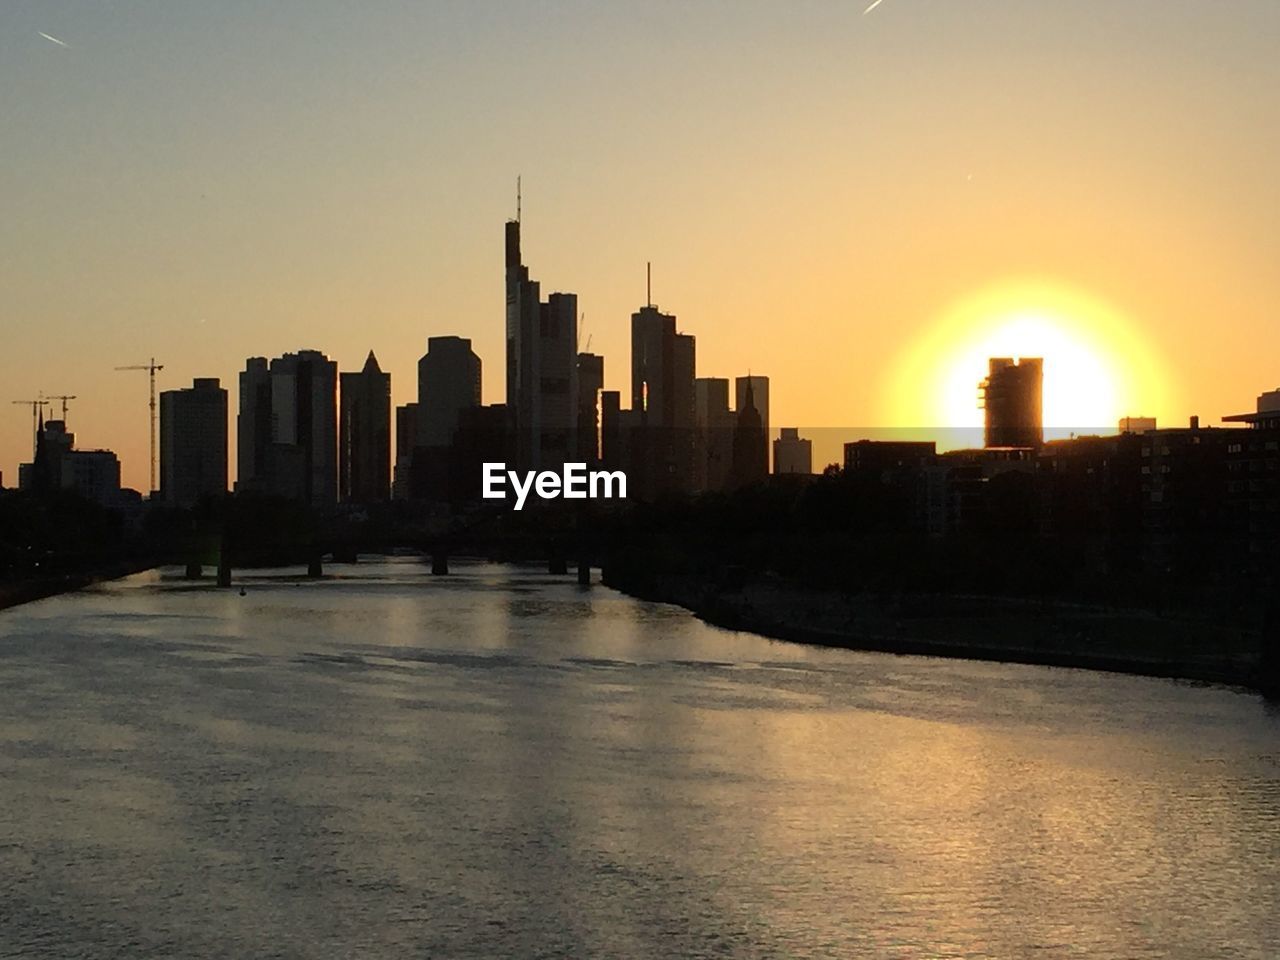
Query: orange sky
point(820, 191)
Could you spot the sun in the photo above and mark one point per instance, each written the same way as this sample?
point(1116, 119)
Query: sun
point(1095, 368)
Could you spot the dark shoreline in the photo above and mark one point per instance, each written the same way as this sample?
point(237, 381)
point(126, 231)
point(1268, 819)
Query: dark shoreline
point(1056, 634)
point(28, 591)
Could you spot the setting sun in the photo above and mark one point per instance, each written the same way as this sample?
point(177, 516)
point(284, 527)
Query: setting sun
point(1095, 370)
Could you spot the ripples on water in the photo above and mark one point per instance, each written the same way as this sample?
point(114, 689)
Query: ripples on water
point(499, 764)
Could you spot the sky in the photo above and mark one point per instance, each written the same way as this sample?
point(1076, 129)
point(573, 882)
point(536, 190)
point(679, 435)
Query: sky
point(829, 197)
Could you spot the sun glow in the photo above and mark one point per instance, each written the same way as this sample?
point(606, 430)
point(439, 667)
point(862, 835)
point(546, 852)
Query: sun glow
point(1095, 369)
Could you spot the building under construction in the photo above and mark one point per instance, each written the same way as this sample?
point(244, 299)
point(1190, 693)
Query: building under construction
point(1012, 396)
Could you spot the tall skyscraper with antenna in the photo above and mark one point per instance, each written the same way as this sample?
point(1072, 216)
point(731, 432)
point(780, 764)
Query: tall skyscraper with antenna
point(542, 380)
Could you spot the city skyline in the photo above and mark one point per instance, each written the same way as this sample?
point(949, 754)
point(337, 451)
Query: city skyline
point(914, 161)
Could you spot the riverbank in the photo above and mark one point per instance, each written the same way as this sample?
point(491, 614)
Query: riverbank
point(28, 591)
point(1048, 633)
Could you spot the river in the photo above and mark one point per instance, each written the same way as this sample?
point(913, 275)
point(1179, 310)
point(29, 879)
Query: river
point(503, 764)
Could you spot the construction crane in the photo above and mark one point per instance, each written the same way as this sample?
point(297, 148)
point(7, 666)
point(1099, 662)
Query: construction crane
point(152, 369)
point(36, 406)
point(64, 398)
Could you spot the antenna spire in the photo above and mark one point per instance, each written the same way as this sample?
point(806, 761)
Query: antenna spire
point(518, 198)
point(648, 282)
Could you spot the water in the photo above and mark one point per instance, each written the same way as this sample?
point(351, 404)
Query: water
point(500, 764)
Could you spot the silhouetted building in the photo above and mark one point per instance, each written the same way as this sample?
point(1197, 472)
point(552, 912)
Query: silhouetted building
point(1092, 502)
point(590, 383)
point(57, 465)
point(364, 435)
point(971, 475)
point(1253, 490)
point(611, 432)
point(1012, 399)
point(662, 393)
point(792, 454)
point(449, 383)
point(253, 425)
point(288, 427)
point(1184, 501)
point(750, 449)
point(760, 397)
point(193, 443)
point(713, 444)
point(879, 455)
point(483, 436)
point(1136, 424)
point(406, 439)
point(542, 373)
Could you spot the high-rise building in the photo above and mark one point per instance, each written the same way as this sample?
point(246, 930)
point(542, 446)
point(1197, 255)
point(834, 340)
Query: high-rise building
point(288, 427)
point(193, 443)
point(542, 374)
point(57, 465)
point(1011, 397)
point(750, 449)
point(406, 439)
point(792, 453)
point(662, 395)
point(713, 446)
point(448, 385)
point(759, 387)
point(364, 434)
point(253, 425)
point(590, 383)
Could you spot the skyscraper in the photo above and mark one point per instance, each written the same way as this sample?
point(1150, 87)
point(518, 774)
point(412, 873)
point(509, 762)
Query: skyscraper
point(253, 425)
point(590, 383)
point(193, 443)
point(1011, 397)
point(542, 375)
point(406, 439)
point(662, 394)
point(288, 427)
point(792, 453)
point(750, 450)
point(448, 385)
point(759, 387)
point(713, 447)
point(364, 434)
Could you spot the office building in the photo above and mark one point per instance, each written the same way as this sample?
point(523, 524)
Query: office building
point(364, 434)
point(750, 463)
point(713, 443)
point(406, 437)
point(792, 454)
point(663, 371)
point(193, 443)
point(759, 387)
point(288, 428)
point(542, 370)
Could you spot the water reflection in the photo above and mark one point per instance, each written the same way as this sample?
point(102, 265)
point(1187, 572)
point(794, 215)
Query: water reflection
point(497, 764)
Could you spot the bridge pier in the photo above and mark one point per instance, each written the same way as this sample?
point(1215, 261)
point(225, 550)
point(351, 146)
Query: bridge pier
point(224, 570)
point(584, 572)
point(315, 568)
point(194, 571)
point(439, 563)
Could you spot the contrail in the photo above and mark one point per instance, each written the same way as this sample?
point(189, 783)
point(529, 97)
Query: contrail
point(63, 43)
point(872, 7)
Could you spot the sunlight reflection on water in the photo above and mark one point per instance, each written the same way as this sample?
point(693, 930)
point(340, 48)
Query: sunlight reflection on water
point(499, 764)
